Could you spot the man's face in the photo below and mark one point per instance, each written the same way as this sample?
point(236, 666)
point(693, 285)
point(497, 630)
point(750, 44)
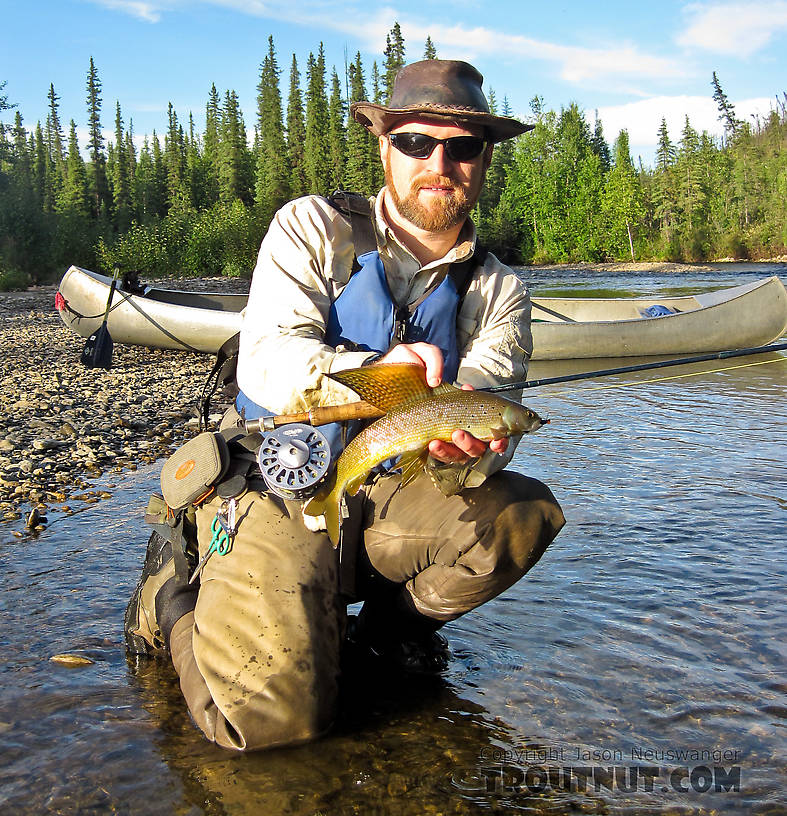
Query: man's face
point(435, 194)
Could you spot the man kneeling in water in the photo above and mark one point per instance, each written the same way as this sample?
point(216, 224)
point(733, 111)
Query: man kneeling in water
point(256, 643)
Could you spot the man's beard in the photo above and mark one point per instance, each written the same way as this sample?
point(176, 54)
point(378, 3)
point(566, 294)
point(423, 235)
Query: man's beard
point(445, 212)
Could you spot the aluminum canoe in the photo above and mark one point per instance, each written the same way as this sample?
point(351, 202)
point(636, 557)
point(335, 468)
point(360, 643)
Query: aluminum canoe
point(159, 318)
point(752, 314)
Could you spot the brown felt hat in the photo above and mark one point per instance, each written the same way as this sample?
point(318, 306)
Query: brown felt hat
point(436, 90)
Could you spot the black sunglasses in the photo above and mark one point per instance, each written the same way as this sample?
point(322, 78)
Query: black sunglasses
point(420, 146)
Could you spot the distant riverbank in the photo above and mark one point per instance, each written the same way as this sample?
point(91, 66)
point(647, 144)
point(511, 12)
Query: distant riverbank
point(656, 267)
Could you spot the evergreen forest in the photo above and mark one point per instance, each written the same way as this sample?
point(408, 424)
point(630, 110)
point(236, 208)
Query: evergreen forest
point(198, 203)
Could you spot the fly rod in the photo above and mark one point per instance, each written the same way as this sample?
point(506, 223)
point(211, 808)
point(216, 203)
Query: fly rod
point(363, 410)
point(607, 372)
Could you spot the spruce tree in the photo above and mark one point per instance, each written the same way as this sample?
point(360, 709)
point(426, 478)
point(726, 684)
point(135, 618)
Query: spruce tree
point(600, 146)
point(131, 164)
point(430, 52)
point(622, 202)
point(120, 177)
point(158, 199)
point(211, 161)
point(195, 168)
point(316, 145)
point(272, 185)
point(664, 193)
point(688, 175)
point(337, 134)
point(5, 147)
point(358, 173)
point(55, 143)
point(97, 177)
point(726, 108)
point(144, 183)
point(40, 171)
point(377, 91)
point(376, 170)
point(236, 163)
point(175, 158)
point(74, 196)
point(394, 58)
point(296, 134)
point(22, 155)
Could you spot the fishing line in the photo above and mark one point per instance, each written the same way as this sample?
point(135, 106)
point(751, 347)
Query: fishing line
point(673, 377)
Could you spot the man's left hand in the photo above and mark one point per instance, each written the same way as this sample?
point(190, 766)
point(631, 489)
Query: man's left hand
point(463, 445)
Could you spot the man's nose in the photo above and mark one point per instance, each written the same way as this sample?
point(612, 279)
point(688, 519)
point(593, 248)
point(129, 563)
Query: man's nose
point(438, 161)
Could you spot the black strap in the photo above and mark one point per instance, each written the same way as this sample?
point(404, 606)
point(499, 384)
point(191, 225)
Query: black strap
point(358, 209)
point(223, 374)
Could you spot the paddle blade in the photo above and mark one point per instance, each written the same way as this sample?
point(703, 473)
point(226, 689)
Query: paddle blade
point(97, 352)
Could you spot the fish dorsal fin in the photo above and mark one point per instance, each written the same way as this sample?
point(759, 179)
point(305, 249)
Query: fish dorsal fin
point(386, 385)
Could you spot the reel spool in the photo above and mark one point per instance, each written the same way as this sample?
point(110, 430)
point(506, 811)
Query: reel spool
point(294, 460)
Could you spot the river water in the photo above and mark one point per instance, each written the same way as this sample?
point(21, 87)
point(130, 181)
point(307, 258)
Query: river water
point(639, 667)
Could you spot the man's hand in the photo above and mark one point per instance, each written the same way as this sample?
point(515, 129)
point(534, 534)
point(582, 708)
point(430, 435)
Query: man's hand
point(464, 445)
point(424, 354)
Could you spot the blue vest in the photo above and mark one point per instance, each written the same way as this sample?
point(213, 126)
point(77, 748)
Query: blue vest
point(365, 318)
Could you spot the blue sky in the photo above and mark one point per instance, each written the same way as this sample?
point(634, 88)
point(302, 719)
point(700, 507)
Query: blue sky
point(633, 62)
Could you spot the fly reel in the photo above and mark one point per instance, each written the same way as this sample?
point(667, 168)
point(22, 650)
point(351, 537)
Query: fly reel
point(294, 459)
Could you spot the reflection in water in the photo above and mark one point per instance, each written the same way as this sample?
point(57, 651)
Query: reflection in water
point(654, 625)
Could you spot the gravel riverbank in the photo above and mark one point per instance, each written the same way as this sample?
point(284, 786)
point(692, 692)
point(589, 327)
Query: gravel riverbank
point(62, 426)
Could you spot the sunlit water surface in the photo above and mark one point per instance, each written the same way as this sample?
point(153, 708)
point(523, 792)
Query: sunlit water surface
point(654, 625)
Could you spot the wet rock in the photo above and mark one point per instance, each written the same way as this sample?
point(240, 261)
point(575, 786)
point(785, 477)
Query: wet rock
point(34, 518)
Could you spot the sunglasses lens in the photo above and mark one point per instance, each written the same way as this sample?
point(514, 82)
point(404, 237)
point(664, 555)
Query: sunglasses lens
point(415, 145)
point(464, 148)
point(420, 146)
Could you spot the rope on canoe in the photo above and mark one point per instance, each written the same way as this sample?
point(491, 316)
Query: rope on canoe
point(124, 296)
point(158, 325)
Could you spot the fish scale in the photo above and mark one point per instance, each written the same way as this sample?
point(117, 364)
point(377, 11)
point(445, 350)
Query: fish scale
point(407, 429)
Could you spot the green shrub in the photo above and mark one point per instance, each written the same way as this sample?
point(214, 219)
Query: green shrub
point(13, 280)
point(732, 245)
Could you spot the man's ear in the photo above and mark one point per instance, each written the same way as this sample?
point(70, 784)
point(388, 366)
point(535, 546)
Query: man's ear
point(385, 146)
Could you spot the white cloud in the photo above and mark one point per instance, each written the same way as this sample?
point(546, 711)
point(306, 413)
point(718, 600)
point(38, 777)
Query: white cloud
point(642, 119)
point(741, 28)
point(150, 12)
point(574, 63)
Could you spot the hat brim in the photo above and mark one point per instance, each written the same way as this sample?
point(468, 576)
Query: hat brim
point(381, 120)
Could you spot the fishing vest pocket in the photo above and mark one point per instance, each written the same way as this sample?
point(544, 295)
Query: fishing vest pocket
point(193, 469)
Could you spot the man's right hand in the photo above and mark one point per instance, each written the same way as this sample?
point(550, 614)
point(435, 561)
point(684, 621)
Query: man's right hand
point(424, 354)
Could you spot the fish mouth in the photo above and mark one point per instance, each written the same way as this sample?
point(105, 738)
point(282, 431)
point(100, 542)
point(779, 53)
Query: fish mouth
point(518, 420)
